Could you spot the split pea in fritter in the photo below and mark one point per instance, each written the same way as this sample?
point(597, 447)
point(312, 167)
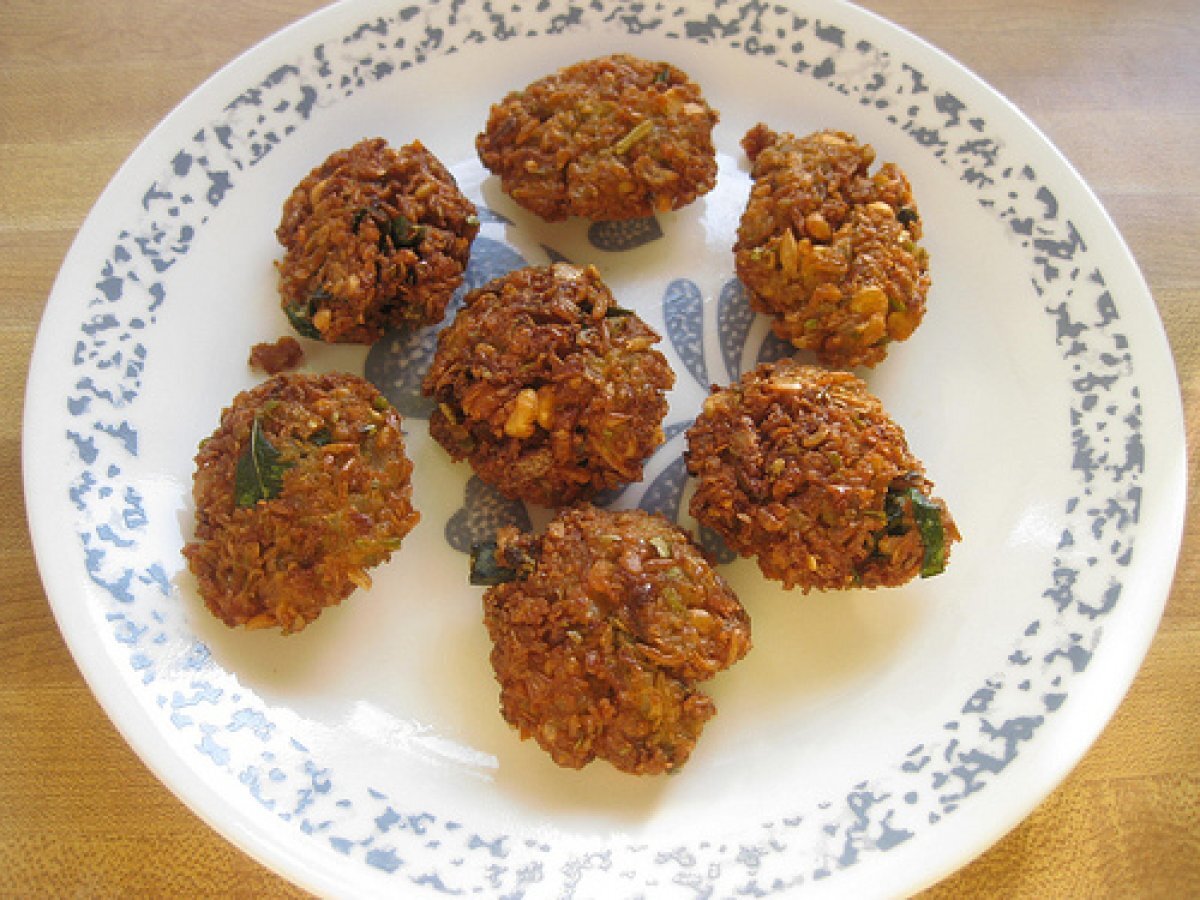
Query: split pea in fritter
point(830, 249)
point(804, 470)
point(550, 390)
point(374, 238)
point(612, 138)
point(602, 628)
point(303, 487)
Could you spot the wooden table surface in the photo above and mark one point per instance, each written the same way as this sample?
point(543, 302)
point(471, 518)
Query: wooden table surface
point(1115, 84)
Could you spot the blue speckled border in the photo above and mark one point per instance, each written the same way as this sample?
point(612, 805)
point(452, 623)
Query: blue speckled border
point(997, 719)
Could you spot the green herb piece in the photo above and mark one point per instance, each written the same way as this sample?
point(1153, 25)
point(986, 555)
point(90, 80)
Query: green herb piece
point(662, 547)
point(928, 518)
point(617, 312)
point(260, 468)
point(301, 314)
point(486, 568)
point(639, 131)
point(321, 437)
point(405, 233)
point(907, 215)
point(673, 599)
point(301, 320)
point(489, 567)
point(893, 508)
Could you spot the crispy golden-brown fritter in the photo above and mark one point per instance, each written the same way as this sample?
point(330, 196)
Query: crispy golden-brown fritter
point(829, 249)
point(601, 633)
point(303, 487)
point(550, 390)
point(803, 469)
point(374, 238)
point(616, 137)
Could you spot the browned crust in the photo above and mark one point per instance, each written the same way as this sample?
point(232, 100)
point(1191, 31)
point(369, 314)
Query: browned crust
point(829, 248)
point(599, 646)
point(547, 388)
point(345, 502)
point(612, 138)
point(374, 238)
point(793, 466)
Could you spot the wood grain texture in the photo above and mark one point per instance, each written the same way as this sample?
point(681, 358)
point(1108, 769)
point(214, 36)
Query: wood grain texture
point(1114, 84)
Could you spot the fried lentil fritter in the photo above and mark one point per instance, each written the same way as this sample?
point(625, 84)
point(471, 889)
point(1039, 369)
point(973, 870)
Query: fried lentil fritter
point(803, 469)
point(551, 391)
point(303, 486)
point(829, 249)
point(277, 356)
point(612, 138)
point(600, 638)
point(374, 238)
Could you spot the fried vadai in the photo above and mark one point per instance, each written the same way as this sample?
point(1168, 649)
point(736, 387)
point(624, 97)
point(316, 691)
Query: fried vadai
point(602, 628)
point(804, 470)
point(549, 389)
point(374, 238)
point(830, 249)
point(612, 138)
point(303, 487)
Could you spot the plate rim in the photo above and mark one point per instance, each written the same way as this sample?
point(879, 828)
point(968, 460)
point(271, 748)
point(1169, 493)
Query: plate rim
point(122, 709)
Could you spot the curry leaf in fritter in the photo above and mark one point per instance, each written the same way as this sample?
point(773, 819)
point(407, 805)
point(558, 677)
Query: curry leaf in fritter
point(300, 315)
point(260, 468)
point(486, 568)
point(928, 516)
point(321, 437)
point(405, 233)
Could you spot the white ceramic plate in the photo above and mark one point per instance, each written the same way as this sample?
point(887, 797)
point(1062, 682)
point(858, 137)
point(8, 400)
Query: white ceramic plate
point(871, 742)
